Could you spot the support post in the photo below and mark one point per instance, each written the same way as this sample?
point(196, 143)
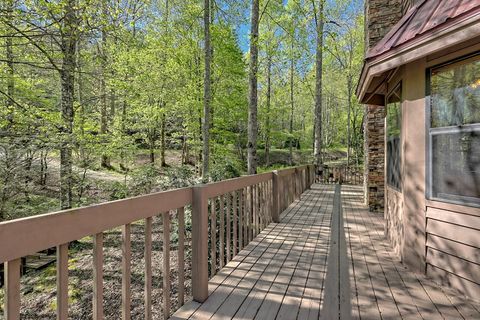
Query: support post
point(12, 289)
point(275, 211)
point(199, 244)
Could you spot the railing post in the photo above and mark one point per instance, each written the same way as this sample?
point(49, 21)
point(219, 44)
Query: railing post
point(12, 289)
point(275, 209)
point(199, 244)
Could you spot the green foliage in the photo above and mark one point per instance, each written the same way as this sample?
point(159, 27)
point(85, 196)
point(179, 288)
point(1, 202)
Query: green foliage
point(138, 94)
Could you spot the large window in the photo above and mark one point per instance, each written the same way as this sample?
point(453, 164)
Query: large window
point(454, 148)
point(394, 125)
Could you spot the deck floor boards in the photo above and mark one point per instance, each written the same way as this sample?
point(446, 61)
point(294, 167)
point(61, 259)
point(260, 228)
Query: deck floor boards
point(326, 259)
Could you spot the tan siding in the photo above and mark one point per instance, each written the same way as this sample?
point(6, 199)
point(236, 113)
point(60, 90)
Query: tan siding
point(453, 249)
point(458, 249)
point(454, 232)
point(465, 286)
point(453, 264)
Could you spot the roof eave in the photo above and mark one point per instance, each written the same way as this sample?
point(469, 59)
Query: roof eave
point(427, 44)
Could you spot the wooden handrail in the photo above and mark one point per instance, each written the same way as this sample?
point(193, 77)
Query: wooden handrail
point(237, 209)
point(29, 235)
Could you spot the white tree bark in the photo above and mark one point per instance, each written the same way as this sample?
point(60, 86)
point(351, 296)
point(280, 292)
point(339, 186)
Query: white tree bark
point(253, 98)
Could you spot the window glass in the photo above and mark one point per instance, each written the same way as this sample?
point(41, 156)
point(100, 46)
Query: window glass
point(455, 95)
point(455, 132)
point(394, 124)
point(456, 165)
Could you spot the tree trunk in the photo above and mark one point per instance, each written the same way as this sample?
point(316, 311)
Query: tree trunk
point(292, 106)
point(151, 145)
point(206, 94)
point(10, 64)
point(67, 75)
point(103, 88)
point(163, 141)
point(185, 154)
point(318, 85)
point(123, 129)
point(253, 99)
point(267, 122)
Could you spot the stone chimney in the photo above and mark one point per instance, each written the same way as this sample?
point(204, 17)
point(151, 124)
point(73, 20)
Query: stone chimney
point(380, 17)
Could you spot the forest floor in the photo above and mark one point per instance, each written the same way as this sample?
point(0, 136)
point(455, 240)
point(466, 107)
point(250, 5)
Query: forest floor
point(103, 175)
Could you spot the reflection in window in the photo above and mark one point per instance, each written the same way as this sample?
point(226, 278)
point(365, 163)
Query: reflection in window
point(394, 124)
point(455, 132)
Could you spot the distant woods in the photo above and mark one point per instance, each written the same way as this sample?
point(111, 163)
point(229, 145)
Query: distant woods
point(103, 99)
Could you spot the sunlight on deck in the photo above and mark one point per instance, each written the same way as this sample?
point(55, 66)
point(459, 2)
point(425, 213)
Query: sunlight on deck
point(326, 259)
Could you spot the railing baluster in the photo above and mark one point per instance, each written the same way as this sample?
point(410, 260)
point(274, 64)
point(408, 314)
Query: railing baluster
point(271, 201)
point(12, 289)
point(98, 276)
point(240, 219)
point(181, 256)
point(166, 265)
point(249, 215)
point(222, 232)
point(229, 238)
point(275, 205)
point(246, 216)
point(62, 281)
point(126, 271)
point(235, 221)
point(260, 206)
point(148, 268)
point(213, 237)
point(254, 211)
point(266, 204)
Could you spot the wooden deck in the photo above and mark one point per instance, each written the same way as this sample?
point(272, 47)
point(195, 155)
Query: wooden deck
point(327, 259)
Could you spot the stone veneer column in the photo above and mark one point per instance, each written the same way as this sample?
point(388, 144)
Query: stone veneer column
point(375, 157)
point(380, 17)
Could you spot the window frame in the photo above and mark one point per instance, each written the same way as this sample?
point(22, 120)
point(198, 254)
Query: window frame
point(431, 132)
point(391, 92)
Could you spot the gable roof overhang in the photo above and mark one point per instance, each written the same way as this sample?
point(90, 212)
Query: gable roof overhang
point(388, 55)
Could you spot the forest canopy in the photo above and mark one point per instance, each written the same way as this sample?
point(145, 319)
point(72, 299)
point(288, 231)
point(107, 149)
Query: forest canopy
point(105, 99)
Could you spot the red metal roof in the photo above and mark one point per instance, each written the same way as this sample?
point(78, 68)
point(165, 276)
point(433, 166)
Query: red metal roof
point(421, 19)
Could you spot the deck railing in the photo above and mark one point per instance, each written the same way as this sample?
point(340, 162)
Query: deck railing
point(340, 174)
point(226, 216)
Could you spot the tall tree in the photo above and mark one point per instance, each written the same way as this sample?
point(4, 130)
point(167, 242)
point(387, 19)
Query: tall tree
point(269, 107)
point(9, 56)
point(253, 98)
point(207, 95)
point(319, 24)
point(67, 75)
point(105, 162)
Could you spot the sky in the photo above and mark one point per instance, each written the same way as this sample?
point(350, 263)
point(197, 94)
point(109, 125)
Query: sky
point(243, 29)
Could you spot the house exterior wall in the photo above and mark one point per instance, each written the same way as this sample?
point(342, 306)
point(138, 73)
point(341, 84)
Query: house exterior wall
point(413, 161)
point(432, 237)
point(453, 231)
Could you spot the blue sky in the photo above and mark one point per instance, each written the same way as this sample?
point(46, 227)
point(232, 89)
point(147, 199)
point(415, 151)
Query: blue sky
point(243, 29)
